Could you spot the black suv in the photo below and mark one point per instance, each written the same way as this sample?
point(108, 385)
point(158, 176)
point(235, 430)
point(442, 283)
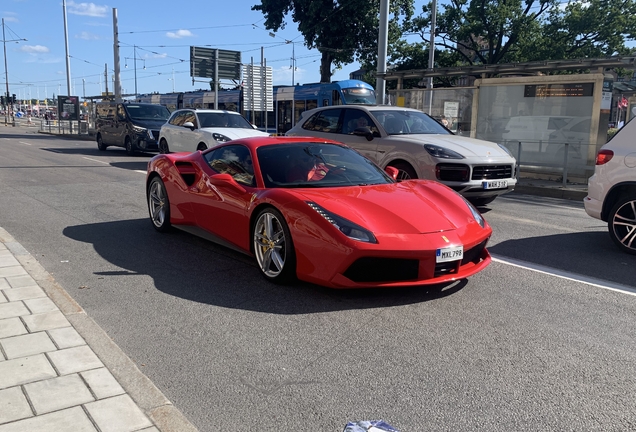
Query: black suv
point(134, 126)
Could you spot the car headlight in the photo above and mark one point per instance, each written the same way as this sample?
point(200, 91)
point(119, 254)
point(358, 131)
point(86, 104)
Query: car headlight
point(143, 131)
point(220, 137)
point(348, 228)
point(504, 148)
point(478, 217)
point(441, 152)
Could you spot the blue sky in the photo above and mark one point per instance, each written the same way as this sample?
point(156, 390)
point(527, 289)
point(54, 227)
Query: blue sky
point(162, 30)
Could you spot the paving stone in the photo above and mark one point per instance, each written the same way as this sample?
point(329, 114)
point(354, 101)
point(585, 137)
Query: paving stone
point(13, 405)
point(7, 272)
point(69, 420)
point(40, 305)
point(150, 429)
point(3, 298)
point(12, 309)
point(103, 383)
point(45, 321)
point(66, 337)
point(11, 327)
point(117, 414)
point(24, 370)
point(72, 360)
point(20, 281)
point(4, 284)
point(26, 345)
point(58, 393)
point(8, 260)
point(24, 293)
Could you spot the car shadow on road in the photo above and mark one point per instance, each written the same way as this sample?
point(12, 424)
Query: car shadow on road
point(591, 254)
point(189, 267)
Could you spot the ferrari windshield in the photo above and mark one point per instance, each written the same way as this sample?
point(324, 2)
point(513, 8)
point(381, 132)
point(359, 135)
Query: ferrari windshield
point(147, 112)
point(315, 165)
point(396, 122)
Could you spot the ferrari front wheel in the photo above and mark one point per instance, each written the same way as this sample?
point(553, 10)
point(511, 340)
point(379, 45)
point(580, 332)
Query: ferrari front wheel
point(158, 205)
point(273, 247)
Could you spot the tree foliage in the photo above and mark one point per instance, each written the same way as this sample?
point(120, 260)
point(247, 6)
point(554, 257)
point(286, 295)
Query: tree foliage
point(342, 30)
point(507, 31)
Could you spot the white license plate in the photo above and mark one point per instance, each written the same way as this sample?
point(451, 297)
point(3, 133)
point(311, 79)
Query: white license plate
point(495, 184)
point(453, 253)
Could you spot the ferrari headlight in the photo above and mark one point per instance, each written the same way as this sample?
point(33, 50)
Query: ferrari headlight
point(220, 137)
point(441, 152)
point(348, 228)
point(478, 217)
point(504, 148)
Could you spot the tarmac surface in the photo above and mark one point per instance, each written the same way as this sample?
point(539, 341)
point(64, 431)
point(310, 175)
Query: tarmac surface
point(59, 371)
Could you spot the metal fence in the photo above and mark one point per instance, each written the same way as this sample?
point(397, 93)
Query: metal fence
point(63, 127)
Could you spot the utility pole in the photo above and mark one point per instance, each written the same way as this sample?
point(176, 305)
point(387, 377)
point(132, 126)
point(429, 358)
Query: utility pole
point(380, 83)
point(6, 74)
point(117, 84)
point(431, 57)
point(68, 58)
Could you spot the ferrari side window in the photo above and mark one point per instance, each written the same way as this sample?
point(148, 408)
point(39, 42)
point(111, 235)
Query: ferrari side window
point(233, 160)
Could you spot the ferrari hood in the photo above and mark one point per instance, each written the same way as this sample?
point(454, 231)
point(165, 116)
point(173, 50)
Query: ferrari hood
point(235, 133)
point(411, 207)
point(467, 147)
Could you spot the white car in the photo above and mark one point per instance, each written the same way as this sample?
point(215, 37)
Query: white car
point(199, 129)
point(418, 146)
point(612, 189)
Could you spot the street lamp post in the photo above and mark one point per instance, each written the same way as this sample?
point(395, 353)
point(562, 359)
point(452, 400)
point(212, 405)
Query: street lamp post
point(135, 65)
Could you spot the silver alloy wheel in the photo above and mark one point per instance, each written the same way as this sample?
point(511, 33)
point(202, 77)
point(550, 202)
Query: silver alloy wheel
point(624, 224)
point(270, 244)
point(157, 203)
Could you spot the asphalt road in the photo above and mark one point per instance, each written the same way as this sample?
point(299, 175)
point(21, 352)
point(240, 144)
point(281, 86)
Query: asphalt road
point(543, 339)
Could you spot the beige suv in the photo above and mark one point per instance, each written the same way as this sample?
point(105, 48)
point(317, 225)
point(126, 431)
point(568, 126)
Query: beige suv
point(612, 189)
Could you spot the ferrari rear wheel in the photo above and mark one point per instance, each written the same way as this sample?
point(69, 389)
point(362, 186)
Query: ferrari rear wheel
point(159, 205)
point(273, 247)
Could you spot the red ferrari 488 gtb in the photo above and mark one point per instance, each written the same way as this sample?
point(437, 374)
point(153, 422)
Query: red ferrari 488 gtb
point(318, 211)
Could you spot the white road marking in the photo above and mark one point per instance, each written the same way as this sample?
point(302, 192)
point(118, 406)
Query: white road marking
point(599, 283)
point(140, 171)
point(98, 161)
point(25, 143)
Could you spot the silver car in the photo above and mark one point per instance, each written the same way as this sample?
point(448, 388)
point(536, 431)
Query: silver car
point(198, 129)
point(418, 146)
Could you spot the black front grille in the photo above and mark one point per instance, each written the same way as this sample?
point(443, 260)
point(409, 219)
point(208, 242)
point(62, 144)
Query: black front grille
point(490, 172)
point(473, 254)
point(370, 269)
point(452, 172)
point(445, 268)
point(155, 135)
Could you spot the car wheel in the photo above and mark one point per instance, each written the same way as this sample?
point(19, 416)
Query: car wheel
point(622, 224)
point(130, 150)
point(273, 247)
point(406, 171)
point(159, 205)
point(100, 143)
point(163, 146)
point(202, 147)
point(479, 202)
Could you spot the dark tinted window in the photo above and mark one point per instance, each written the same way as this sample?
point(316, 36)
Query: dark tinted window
point(355, 118)
point(147, 112)
point(324, 121)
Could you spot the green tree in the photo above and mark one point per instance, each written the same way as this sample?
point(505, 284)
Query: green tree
point(343, 31)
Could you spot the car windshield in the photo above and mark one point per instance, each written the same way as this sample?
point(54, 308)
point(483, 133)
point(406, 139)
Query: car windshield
point(225, 120)
point(408, 122)
point(358, 95)
point(148, 112)
point(316, 165)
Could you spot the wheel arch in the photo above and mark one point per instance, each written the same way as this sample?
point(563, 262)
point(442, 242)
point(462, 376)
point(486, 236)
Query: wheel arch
point(617, 191)
point(399, 160)
point(255, 212)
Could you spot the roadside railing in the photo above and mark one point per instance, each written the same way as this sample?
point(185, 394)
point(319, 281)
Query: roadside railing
point(64, 127)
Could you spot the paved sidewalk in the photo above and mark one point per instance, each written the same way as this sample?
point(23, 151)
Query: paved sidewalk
point(58, 370)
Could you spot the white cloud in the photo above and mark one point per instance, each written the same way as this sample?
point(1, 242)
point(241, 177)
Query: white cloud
point(179, 34)
point(87, 36)
point(88, 9)
point(10, 16)
point(34, 49)
point(159, 56)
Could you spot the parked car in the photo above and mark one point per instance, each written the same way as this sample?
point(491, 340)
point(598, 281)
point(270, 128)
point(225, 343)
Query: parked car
point(418, 146)
point(134, 126)
point(198, 129)
point(318, 211)
point(612, 189)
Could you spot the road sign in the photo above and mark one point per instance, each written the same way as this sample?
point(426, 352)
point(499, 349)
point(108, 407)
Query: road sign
point(258, 93)
point(203, 61)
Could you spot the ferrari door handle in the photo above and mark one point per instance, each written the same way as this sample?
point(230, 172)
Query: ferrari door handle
point(193, 189)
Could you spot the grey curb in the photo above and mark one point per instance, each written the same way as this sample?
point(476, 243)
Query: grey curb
point(143, 392)
point(551, 192)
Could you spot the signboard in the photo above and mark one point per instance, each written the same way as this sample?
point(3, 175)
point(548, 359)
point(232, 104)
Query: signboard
point(451, 109)
point(68, 107)
point(203, 63)
point(258, 93)
point(559, 90)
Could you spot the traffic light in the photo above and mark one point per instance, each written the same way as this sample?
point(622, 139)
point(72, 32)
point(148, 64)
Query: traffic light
point(1, 100)
point(13, 99)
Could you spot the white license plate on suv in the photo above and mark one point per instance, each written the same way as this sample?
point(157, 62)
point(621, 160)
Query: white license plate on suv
point(495, 184)
point(453, 253)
